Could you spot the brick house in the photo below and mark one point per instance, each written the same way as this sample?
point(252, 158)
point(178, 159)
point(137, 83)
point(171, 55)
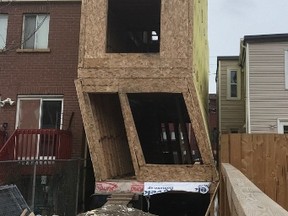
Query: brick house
point(38, 65)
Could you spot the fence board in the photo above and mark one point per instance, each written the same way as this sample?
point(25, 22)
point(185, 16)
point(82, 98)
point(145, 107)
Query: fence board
point(263, 158)
point(224, 154)
point(235, 150)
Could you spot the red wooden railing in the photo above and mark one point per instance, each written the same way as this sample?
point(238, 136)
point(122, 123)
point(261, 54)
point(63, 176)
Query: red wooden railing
point(37, 144)
point(2, 139)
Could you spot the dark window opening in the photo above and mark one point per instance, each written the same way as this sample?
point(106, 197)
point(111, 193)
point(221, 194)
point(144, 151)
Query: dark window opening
point(133, 26)
point(164, 128)
point(175, 203)
point(51, 114)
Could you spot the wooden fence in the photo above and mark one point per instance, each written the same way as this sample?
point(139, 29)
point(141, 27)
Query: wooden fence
point(262, 158)
point(243, 198)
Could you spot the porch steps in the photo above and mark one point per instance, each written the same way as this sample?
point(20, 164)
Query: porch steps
point(119, 199)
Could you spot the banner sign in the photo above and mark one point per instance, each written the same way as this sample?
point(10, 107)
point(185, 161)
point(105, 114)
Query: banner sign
point(151, 188)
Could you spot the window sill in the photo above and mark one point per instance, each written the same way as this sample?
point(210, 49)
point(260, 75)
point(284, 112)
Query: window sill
point(33, 50)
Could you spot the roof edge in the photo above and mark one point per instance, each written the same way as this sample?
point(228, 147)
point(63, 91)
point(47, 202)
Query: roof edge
point(265, 38)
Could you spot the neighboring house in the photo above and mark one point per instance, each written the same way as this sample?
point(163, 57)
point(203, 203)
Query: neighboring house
point(38, 64)
point(230, 95)
point(265, 58)
point(213, 122)
point(264, 62)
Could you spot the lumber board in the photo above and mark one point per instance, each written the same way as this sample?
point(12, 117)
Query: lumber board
point(224, 148)
point(235, 150)
point(247, 198)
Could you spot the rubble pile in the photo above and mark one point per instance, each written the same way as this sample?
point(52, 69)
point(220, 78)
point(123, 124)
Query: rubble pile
point(116, 210)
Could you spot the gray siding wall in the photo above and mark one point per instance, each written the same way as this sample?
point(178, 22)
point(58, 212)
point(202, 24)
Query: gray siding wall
point(232, 112)
point(268, 97)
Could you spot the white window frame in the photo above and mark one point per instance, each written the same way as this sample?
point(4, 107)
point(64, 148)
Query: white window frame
point(3, 30)
point(280, 124)
point(286, 68)
point(238, 97)
point(41, 98)
point(41, 31)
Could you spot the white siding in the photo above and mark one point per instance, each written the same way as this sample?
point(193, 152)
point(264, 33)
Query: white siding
point(268, 97)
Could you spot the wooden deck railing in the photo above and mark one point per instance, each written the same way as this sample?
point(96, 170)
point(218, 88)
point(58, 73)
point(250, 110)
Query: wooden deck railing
point(37, 144)
point(2, 138)
point(239, 196)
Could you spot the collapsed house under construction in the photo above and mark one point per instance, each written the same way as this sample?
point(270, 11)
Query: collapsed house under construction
point(142, 88)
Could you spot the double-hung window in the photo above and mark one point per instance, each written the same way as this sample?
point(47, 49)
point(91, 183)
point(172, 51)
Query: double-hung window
point(233, 84)
point(3, 30)
point(35, 31)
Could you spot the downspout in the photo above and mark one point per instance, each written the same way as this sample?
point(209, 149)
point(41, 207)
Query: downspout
point(248, 117)
point(219, 98)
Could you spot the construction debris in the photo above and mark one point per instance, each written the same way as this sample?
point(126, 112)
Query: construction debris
point(116, 210)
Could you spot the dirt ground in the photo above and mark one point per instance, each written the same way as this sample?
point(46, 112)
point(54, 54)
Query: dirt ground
point(116, 210)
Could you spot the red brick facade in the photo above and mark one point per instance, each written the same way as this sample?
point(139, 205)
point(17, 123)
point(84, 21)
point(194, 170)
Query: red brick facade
point(43, 73)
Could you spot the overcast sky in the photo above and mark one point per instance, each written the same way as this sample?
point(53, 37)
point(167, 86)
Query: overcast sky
point(231, 20)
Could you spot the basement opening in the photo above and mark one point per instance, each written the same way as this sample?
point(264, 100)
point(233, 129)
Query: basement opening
point(133, 26)
point(164, 128)
point(174, 203)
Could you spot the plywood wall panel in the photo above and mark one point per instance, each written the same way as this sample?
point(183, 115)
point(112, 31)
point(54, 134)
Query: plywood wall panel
point(174, 28)
point(96, 20)
point(92, 133)
point(135, 73)
point(176, 173)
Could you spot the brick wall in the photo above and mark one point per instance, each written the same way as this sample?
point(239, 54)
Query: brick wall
point(42, 73)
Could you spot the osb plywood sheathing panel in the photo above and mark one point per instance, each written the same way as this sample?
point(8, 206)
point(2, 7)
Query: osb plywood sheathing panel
point(134, 60)
point(174, 28)
point(174, 173)
point(198, 122)
point(199, 126)
point(129, 85)
point(95, 27)
point(92, 133)
point(135, 73)
point(133, 139)
point(112, 134)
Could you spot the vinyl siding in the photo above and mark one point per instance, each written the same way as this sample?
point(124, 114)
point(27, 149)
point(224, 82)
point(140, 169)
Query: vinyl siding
point(268, 97)
point(232, 114)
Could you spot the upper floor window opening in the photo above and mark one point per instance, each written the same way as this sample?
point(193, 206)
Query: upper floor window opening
point(3, 30)
point(35, 31)
point(233, 84)
point(133, 26)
